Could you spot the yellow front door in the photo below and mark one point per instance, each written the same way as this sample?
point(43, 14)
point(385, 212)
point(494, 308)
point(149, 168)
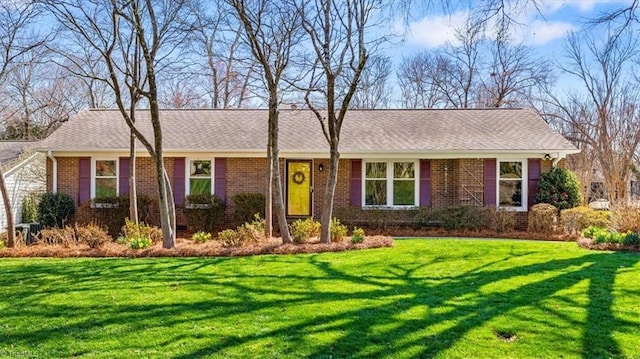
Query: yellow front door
point(299, 188)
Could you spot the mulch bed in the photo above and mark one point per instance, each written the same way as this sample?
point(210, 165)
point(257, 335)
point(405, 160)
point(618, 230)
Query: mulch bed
point(188, 248)
point(441, 232)
point(588, 244)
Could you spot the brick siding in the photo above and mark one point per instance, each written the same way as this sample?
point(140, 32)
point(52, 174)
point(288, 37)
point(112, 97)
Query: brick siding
point(454, 181)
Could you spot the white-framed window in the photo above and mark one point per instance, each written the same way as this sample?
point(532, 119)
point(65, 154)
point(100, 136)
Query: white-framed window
point(104, 177)
point(199, 176)
point(390, 183)
point(512, 184)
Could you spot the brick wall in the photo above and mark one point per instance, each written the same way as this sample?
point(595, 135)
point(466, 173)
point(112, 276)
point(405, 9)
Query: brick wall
point(454, 181)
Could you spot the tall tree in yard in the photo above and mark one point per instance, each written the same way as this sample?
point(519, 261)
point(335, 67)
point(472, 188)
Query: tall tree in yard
point(134, 39)
point(337, 33)
point(15, 41)
point(271, 29)
point(606, 115)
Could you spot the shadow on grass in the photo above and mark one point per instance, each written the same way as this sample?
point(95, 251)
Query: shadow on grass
point(371, 330)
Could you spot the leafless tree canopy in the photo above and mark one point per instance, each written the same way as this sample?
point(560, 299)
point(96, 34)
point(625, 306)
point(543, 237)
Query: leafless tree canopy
point(604, 118)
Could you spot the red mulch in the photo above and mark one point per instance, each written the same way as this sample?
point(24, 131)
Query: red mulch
point(588, 244)
point(440, 232)
point(188, 248)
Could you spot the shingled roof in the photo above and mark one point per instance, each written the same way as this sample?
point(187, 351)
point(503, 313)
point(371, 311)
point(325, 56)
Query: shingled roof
point(12, 152)
point(364, 131)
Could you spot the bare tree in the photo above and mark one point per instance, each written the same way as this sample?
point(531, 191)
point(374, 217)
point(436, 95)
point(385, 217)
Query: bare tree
point(15, 41)
point(607, 118)
point(271, 29)
point(336, 31)
point(416, 77)
point(513, 74)
point(134, 39)
point(221, 57)
point(374, 90)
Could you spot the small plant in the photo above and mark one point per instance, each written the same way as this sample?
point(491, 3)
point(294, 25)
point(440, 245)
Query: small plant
point(55, 209)
point(229, 238)
point(62, 236)
point(140, 243)
point(2, 239)
point(337, 230)
point(122, 240)
point(591, 231)
point(132, 230)
point(501, 220)
point(303, 229)
point(357, 236)
point(91, 234)
point(252, 232)
point(201, 237)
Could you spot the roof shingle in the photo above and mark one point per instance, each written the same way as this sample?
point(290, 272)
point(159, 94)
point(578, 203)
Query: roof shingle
point(469, 130)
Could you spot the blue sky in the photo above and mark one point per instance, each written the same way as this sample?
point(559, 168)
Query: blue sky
point(543, 30)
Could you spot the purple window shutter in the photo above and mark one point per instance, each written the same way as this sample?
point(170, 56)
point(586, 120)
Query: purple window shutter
point(220, 180)
point(123, 175)
point(534, 176)
point(490, 182)
point(425, 183)
point(178, 180)
point(355, 184)
point(84, 184)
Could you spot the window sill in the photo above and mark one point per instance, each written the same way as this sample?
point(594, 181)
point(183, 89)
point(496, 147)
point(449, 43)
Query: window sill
point(390, 208)
point(513, 209)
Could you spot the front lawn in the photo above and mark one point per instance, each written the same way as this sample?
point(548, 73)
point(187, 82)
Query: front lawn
point(421, 298)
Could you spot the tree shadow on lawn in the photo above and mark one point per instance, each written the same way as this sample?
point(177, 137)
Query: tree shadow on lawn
point(452, 306)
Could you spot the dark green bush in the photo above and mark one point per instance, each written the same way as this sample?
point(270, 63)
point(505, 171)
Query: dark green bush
point(55, 209)
point(30, 208)
point(247, 205)
point(112, 211)
point(632, 239)
point(203, 212)
point(559, 187)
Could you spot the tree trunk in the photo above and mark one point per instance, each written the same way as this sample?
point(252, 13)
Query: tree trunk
point(268, 209)
point(329, 193)
point(11, 232)
point(168, 228)
point(275, 164)
point(133, 197)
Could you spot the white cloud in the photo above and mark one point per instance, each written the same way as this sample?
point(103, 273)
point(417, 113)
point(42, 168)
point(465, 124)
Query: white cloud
point(434, 31)
point(537, 32)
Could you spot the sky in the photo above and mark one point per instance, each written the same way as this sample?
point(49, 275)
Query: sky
point(544, 29)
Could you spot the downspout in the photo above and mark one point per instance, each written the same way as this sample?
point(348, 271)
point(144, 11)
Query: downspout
point(54, 175)
point(557, 159)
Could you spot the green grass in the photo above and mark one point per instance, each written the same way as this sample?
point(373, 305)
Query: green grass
point(422, 298)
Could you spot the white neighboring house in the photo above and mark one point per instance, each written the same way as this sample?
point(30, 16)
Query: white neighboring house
point(24, 172)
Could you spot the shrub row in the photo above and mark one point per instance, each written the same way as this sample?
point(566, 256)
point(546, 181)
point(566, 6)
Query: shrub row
point(602, 235)
point(452, 218)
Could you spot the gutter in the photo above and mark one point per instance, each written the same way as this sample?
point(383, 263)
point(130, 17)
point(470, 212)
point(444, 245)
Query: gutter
point(54, 176)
